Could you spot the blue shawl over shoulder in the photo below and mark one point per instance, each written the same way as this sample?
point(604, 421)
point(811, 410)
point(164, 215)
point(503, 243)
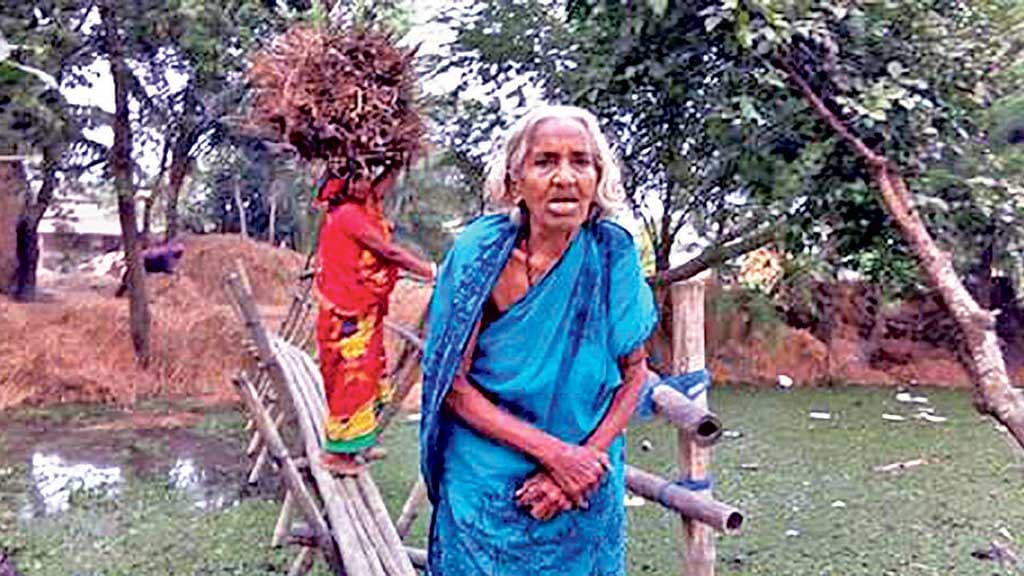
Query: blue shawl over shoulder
point(619, 304)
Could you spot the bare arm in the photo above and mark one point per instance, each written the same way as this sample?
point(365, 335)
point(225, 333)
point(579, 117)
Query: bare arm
point(634, 371)
point(374, 241)
point(541, 493)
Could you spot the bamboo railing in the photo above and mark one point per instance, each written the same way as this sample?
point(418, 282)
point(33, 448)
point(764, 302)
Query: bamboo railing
point(346, 520)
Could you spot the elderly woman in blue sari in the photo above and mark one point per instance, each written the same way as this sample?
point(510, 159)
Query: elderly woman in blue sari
point(534, 362)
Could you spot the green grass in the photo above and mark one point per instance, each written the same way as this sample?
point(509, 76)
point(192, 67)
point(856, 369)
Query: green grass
point(924, 520)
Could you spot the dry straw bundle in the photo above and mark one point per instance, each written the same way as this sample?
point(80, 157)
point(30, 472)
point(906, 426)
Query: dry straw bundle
point(343, 97)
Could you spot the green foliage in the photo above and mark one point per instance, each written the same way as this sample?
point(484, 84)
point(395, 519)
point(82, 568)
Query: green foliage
point(660, 91)
point(756, 309)
point(916, 81)
point(431, 202)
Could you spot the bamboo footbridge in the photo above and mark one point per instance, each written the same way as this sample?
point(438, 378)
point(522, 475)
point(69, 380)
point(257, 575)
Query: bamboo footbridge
point(344, 521)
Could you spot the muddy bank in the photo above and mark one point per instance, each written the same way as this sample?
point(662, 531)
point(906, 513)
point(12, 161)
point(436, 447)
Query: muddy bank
point(845, 333)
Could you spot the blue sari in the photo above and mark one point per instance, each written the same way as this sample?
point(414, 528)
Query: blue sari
point(550, 360)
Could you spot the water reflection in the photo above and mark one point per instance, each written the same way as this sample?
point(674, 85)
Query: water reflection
point(187, 477)
point(56, 480)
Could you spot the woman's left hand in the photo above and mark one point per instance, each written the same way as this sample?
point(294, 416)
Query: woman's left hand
point(542, 496)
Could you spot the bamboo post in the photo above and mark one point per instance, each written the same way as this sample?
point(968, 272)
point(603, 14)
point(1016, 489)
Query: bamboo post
point(411, 509)
point(261, 459)
point(303, 563)
point(291, 474)
point(418, 557)
point(284, 520)
point(698, 544)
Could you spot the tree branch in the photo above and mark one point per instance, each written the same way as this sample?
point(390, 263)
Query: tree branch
point(996, 396)
point(715, 255)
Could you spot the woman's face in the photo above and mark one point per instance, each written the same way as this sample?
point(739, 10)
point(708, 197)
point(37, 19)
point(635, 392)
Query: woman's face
point(559, 175)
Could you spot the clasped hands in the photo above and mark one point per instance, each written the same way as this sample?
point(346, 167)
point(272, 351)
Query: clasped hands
point(570, 474)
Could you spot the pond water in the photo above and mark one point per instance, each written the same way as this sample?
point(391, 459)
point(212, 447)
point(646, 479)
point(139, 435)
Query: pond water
point(54, 460)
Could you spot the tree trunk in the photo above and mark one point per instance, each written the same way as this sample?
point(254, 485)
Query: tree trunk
point(121, 167)
point(993, 393)
point(14, 192)
point(271, 233)
point(179, 169)
point(243, 228)
point(23, 287)
point(713, 256)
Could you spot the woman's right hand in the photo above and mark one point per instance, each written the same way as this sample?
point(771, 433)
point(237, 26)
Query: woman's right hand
point(576, 469)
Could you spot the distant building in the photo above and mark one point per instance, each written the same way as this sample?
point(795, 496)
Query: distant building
point(80, 229)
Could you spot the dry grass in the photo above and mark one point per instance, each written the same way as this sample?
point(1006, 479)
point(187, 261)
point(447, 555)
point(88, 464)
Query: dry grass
point(78, 348)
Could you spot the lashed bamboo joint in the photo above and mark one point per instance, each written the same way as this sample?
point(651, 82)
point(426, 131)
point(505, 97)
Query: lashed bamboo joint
point(689, 504)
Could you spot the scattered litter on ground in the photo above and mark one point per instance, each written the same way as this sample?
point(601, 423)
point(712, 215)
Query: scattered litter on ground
point(732, 434)
point(646, 445)
point(791, 533)
point(839, 504)
point(908, 398)
point(894, 418)
point(820, 416)
point(898, 466)
point(997, 552)
point(750, 466)
point(927, 417)
point(784, 381)
point(634, 501)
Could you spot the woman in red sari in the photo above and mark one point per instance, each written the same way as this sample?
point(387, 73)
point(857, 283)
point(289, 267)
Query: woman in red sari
point(357, 266)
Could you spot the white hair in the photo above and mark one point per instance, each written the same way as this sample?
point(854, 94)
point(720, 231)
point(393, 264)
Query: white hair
point(510, 150)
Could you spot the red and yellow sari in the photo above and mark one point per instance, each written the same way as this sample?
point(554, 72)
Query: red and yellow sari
point(353, 287)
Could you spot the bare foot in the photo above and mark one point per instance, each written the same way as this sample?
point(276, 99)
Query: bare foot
point(375, 453)
point(341, 464)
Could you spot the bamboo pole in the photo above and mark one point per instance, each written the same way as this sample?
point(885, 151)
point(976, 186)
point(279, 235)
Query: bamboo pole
point(374, 538)
point(405, 380)
point(261, 460)
point(366, 501)
point(698, 544)
point(291, 474)
point(418, 557)
point(371, 495)
point(355, 563)
point(303, 563)
point(305, 381)
point(687, 503)
point(350, 541)
point(284, 520)
point(704, 427)
point(411, 509)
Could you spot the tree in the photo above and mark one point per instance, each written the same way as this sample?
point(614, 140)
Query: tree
point(121, 168)
point(844, 62)
point(36, 118)
point(661, 92)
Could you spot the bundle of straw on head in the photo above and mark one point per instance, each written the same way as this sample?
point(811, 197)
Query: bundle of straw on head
point(343, 97)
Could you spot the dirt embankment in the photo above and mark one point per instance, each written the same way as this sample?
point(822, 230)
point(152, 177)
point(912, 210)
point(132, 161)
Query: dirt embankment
point(848, 335)
point(74, 345)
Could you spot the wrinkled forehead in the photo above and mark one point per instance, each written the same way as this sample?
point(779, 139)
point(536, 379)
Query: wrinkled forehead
point(560, 130)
